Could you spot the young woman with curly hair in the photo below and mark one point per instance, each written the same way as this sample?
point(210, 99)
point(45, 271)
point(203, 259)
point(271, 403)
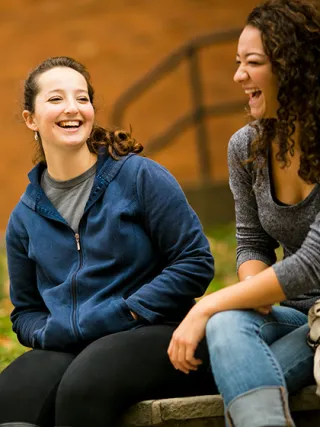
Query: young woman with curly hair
point(259, 352)
point(105, 258)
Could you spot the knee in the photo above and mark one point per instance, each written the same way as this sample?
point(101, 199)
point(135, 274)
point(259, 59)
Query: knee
point(88, 380)
point(77, 386)
point(219, 327)
point(83, 398)
point(225, 328)
point(71, 391)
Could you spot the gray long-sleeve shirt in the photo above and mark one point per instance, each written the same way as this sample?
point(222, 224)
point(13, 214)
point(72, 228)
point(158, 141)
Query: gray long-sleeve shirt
point(263, 223)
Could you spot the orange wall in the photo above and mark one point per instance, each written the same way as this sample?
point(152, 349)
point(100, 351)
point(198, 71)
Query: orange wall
point(119, 41)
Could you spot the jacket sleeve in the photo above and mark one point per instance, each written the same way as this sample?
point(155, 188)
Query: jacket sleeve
point(253, 242)
point(30, 313)
point(176, 232)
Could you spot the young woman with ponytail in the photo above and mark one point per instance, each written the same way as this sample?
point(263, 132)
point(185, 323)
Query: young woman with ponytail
point(105, 258)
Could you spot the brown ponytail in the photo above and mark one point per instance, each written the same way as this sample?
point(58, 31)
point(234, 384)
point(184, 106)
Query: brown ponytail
point(117, 141)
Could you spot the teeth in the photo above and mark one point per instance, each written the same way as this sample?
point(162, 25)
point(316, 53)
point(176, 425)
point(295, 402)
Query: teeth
point(69, 123)
point(249, 91)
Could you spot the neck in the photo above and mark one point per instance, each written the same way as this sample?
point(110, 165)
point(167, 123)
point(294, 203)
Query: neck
point(296, 136)
point(65, 165)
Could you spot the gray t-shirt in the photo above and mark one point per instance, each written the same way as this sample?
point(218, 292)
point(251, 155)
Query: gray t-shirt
point(69, 197)
point(263, 223)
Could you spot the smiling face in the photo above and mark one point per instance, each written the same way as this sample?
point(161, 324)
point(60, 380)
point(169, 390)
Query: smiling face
point(255, 74)
point(63, 114)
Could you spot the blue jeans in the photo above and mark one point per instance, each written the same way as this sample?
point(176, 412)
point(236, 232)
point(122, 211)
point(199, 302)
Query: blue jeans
point(255, 359)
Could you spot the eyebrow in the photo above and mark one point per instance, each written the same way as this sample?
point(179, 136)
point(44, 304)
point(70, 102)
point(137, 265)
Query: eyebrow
point(253, 53)
point(61, 90)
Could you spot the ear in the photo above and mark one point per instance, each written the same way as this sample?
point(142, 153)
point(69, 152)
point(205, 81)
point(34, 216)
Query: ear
point(29, 120)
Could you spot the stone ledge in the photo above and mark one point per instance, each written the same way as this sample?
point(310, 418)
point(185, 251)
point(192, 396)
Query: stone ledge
point(202, 411)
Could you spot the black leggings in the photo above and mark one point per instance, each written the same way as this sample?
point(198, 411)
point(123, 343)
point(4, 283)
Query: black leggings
point(93, 388)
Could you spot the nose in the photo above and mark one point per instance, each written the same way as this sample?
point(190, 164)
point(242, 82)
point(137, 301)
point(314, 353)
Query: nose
point(240, 75)
point(71, 106)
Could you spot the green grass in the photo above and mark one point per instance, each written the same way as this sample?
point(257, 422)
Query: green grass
point(10, 348)
point(223, 246)
point(9, 345)
point(3, 273)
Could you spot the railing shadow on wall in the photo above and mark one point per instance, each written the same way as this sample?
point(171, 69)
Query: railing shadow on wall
point(199, 197)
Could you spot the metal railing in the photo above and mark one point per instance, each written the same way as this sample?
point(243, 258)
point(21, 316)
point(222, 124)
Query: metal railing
point(197, 117)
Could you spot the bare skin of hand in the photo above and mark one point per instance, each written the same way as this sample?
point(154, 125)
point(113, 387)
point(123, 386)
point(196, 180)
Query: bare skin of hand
point(186, 338)
point(257, 292)
point(266, 309)
point(134, 315)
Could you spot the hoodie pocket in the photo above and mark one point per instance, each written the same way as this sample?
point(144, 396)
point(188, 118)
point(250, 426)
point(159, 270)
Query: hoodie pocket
point(107, 318)
point(126, 319)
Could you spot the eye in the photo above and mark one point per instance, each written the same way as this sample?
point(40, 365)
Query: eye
point(253, 63)
point(54, 99)
point(83, 99)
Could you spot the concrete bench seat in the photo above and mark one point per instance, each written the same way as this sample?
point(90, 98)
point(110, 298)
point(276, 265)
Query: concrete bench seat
point(207, 411)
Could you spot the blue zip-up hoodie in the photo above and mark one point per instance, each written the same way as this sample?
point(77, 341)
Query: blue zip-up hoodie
point(140, 248)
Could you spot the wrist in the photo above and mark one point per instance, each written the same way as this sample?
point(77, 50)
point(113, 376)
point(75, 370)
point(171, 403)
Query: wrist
point(205, 307)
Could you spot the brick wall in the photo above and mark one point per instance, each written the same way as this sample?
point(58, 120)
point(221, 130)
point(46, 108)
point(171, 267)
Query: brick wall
point(119, 41)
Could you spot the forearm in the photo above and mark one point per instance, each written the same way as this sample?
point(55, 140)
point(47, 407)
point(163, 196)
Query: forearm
point(251, 268)
point(185, 263)
point(171, 293)
point(260, 290)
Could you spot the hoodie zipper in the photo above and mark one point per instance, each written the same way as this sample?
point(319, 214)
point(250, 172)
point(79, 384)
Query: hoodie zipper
point(73, 288)
point(77, 236)
point(76, 329)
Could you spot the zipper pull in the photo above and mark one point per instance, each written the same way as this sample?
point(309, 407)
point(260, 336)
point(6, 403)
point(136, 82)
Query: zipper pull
point(78, 241)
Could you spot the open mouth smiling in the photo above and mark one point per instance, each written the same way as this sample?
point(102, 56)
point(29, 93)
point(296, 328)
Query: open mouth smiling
point(253, 93)
point(70, 124)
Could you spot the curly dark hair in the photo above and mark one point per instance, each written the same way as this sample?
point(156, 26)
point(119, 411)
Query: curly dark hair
point(118, 142)
point(290, 33)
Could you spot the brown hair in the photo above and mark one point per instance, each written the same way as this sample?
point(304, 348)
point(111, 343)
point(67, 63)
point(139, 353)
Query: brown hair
point(118, 142)
point(290, 33)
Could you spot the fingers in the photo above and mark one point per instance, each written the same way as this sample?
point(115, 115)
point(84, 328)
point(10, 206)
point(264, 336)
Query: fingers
point(189, 357)
point(264, 310)
point(134, 315)
point(181, 354)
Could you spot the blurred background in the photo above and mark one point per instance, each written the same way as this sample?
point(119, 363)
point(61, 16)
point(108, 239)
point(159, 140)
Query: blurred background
point(165, 67)
point(121, 42)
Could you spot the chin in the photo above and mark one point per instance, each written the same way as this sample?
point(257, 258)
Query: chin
point(260, 112)
point(74, 143)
